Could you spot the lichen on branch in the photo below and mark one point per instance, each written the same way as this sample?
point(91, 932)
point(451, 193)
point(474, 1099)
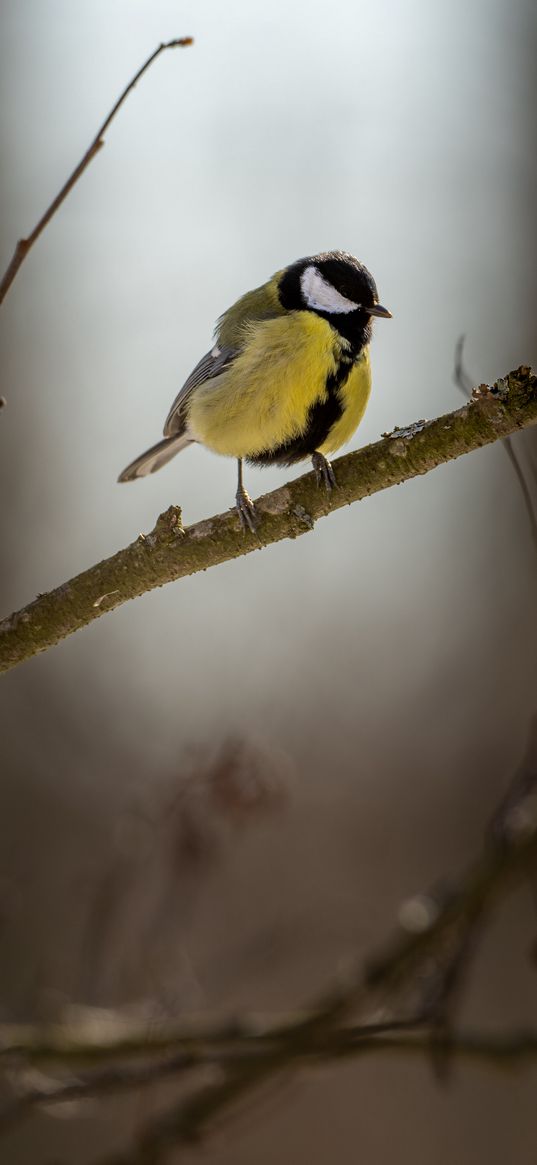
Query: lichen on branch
point(170, 552)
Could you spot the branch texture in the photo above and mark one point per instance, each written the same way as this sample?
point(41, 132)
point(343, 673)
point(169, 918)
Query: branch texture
point(25, 245)
point(171, 552)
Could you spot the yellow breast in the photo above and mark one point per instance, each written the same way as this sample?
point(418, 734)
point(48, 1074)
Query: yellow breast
point(264, 398)
point(354, 395)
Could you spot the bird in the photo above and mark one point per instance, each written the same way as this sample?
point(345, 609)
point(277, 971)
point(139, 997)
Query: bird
point(288, 377)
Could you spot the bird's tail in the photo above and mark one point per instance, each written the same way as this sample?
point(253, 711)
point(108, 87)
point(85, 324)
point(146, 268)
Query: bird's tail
point(155, 457)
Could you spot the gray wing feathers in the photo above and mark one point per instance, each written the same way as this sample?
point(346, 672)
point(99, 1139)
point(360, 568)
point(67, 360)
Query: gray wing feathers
point(155, 457)
point(210, 365)
point(176, 435)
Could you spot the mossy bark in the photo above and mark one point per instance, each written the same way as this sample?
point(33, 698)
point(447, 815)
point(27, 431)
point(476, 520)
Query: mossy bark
point(170, 552)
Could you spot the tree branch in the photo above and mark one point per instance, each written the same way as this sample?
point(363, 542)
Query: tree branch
point(170, 552)
point(498, 1050)
point(217, 1049)
point(25, 245)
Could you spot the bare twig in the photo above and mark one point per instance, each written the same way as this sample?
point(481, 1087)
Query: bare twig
point(229, 1052)
point(190, 1045)
point(105, 1082)
point(463, 380)
point(461, 377)
point(443, 992)
point(495, 1050)
point(170, 552)
point(25, 245)
point(518, 803)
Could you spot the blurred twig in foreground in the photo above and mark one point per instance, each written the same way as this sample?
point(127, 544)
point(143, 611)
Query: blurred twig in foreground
point(171, 552)
point(372, 1010)
point(492, 1049)
point(25, 245)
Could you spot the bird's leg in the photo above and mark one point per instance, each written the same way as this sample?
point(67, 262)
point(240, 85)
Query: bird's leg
point(245, 505)
point(323, 471)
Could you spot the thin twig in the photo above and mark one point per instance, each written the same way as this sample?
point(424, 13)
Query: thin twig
point(524, 488)
point(108, 1081)
point(122, 1077)
point(518, 801)
point(444, 988)
point(461, 377)
point(170, 552)
point(463, 380)
point(191, 1045)
point(186, 1122)
point(24, 245)
point(496, 1050)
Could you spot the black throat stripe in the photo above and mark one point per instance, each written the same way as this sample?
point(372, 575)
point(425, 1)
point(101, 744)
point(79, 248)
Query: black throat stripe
point(322, 417)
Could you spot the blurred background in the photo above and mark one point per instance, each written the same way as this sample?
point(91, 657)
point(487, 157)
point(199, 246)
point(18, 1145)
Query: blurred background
point(213, 797)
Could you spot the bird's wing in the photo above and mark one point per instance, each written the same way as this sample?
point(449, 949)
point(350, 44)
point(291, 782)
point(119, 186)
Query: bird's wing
point(231, 334)
point(212, 364)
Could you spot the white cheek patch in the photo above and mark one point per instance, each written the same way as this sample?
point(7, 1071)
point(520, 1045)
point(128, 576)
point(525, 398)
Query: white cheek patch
point(321, 295)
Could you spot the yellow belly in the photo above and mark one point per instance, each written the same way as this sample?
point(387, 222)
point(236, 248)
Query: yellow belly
point(354, 395)
point(263, 400)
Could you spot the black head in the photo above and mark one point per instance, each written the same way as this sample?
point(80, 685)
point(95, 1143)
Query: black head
point(337, 287)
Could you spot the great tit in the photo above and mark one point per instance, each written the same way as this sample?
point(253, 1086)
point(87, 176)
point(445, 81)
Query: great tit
point(288, 378)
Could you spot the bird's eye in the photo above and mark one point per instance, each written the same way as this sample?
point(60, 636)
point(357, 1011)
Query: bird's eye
point(320, 295)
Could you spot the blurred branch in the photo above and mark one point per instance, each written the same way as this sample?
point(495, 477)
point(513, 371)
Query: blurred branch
point(243, 1057)
point(192, 1044)
point(521, 795)
point(461, 376)
point(25, 245)
point(221, 1049)
point(464, 381)
point(170, 552)
point(495, 1050)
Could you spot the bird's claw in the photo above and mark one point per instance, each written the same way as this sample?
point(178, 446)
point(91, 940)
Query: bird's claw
point(246, 511)
point(323, 471)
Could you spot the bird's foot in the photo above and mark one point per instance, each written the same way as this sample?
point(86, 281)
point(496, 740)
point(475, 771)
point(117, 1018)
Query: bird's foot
point(246, 510)
point(323, 471)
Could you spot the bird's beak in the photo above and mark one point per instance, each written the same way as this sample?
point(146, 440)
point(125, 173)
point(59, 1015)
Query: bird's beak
point(378, 310)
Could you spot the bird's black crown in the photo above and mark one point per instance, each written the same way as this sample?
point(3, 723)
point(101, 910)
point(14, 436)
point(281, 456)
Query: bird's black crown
point(349, 277)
